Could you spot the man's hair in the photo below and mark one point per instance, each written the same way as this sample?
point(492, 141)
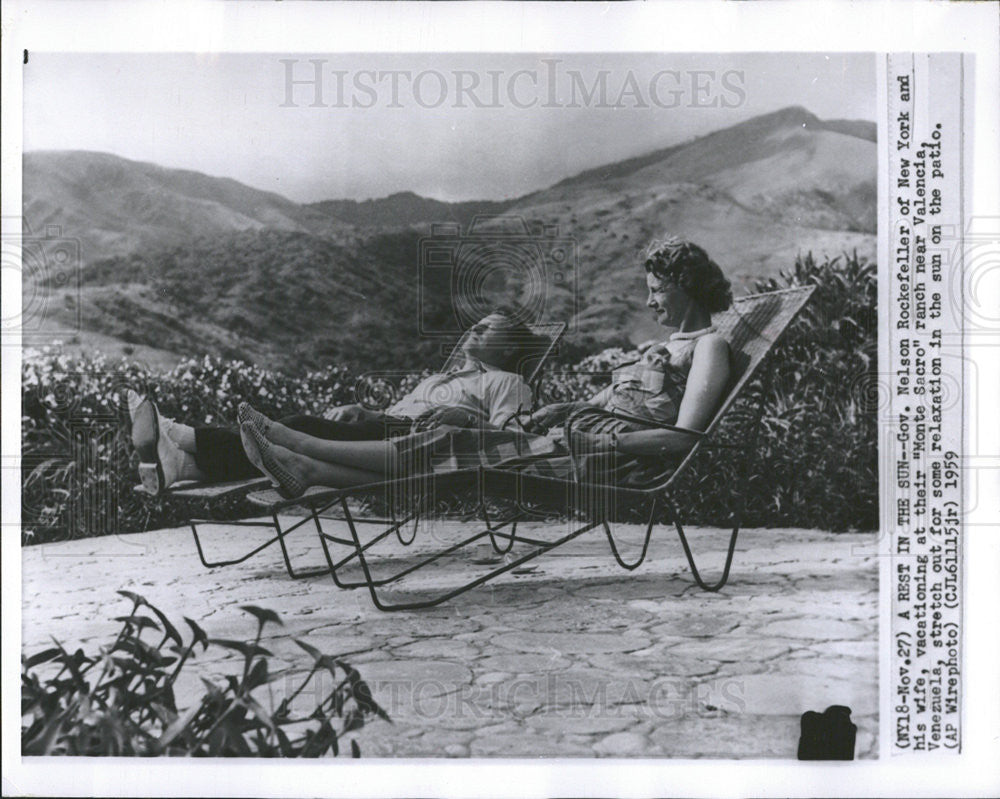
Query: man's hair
point(527, 345)
point(516, 328)
point(688, 265)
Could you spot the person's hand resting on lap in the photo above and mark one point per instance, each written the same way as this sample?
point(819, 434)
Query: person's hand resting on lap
point(350, 414)
point(552, 415)
point(582, 443)
point(449, 415)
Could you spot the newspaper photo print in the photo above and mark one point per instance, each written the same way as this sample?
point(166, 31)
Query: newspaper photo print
point(611, 407)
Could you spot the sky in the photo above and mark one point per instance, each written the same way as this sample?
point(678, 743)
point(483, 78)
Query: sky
point(450, 126)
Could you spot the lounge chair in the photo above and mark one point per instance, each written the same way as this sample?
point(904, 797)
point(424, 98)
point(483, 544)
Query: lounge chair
point(751, 327)
point(530, 367)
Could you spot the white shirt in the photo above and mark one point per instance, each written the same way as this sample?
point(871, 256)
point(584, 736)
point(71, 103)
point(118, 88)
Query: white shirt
point(478, 387)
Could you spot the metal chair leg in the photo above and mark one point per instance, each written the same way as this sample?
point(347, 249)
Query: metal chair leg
point(284, 550)
point(645, 543)
point(429, 603)
point(399, 527)
point(355, 543)
point(737, 516)
point(332, 567)
point(208, 564)
point(713, 587)
point(494, 531)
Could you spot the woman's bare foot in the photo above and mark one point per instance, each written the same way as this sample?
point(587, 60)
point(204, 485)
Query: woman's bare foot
point(286, 469)
point(273, 431)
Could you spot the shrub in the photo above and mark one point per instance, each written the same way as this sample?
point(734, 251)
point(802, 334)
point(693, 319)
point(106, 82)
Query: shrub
point(818, 442)
point(121, 700)
point(78, 468)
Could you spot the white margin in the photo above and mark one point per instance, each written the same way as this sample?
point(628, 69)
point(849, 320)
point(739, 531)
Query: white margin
point(877, 26)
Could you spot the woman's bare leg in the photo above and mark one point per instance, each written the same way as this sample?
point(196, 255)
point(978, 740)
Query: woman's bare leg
point(313, 472)
point(377, 457)
point(295, 472)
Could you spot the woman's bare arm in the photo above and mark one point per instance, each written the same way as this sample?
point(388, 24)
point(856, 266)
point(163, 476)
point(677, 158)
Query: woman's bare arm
point(703, 392)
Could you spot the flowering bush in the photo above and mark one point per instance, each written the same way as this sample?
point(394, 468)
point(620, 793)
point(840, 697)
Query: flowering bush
point(817, 447)
point(818, 440)
point(78, 468)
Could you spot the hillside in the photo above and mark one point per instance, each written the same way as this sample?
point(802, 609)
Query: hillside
point(754, 195)
point(288, 299)
point(190, 263)
point(116, 206)
point(405, 209)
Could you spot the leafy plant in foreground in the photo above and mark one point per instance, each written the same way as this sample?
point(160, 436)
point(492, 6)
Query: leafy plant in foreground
point(121, 701)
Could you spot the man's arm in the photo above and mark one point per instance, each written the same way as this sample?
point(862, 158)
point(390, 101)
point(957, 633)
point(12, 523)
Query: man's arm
point(506, 395)
point(414, 403)
point(349, 413)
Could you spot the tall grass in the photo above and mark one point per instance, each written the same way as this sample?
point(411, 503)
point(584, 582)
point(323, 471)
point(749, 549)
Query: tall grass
point(817, 445)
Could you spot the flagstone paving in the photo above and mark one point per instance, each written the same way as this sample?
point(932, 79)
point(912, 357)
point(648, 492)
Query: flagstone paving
point(571, 658)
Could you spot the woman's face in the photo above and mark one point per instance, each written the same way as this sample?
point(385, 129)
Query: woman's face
point(668, 300)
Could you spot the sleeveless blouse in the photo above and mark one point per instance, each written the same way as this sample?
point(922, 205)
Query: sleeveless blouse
point(652, 386)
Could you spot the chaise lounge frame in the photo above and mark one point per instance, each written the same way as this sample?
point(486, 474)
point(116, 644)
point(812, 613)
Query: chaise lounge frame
point(751, 327)
point(531, 369)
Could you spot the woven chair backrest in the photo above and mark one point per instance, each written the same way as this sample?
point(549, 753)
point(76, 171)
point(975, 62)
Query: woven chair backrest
point(535, 351)
point(751, 326)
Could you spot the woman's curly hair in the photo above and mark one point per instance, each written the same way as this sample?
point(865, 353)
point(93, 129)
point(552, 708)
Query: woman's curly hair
point(689, 266)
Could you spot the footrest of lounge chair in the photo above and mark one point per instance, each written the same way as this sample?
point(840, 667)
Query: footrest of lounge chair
point(190, 489)
point(268, 497)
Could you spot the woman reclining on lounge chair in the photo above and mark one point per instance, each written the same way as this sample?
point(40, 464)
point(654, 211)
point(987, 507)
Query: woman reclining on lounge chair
point(679, 381)
point(483, 389)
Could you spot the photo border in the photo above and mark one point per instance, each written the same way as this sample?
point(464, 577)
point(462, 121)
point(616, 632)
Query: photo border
point(552, 28)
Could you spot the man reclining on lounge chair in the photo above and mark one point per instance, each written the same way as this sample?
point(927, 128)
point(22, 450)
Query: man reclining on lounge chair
point(483, 390)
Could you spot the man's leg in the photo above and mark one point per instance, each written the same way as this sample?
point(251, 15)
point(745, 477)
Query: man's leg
point(220, 456)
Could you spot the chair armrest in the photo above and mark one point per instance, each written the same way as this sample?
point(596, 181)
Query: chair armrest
point(515, 416)
point(640, 420)
point(658, 425)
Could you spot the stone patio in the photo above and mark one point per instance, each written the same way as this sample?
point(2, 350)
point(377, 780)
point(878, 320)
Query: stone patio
point(572, 657)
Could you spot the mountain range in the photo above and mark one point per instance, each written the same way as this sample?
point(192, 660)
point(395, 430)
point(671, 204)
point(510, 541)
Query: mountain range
point(175, 262)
